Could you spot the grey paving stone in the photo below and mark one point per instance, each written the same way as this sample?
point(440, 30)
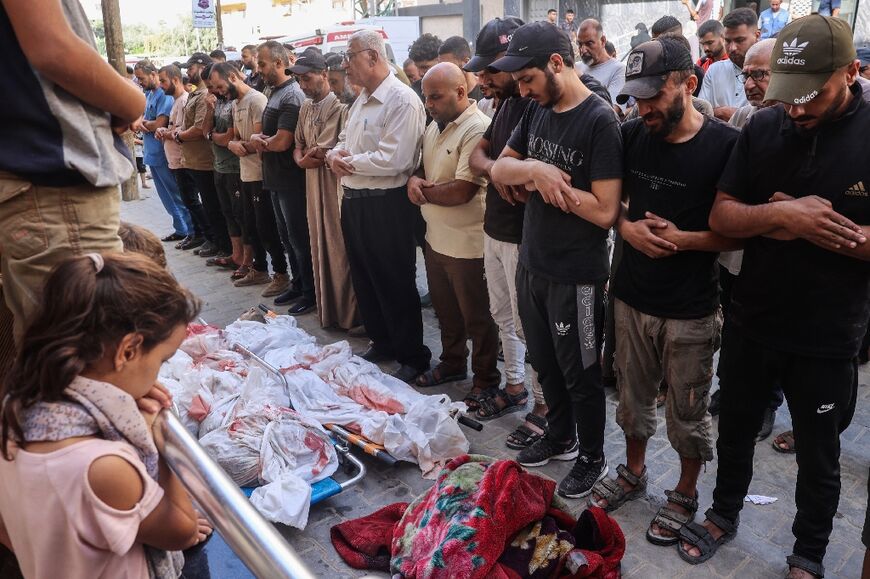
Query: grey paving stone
point(759, 550)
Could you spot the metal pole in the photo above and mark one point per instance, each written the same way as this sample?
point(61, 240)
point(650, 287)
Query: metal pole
point(254, 540)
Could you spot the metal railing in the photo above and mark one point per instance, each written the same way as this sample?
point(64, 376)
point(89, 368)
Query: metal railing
point(253, 539)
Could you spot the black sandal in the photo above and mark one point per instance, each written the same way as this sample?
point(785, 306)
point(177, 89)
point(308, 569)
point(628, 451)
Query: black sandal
point(608, 489)
point(523, 436)
point(699, 537)
point(437, 376)
point(787, 438)
point(473, 400)
point(489, 408)
point(804, 564)
point(672, 520)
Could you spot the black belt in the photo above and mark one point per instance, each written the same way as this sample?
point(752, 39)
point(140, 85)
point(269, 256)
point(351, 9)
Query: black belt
point(364, 193)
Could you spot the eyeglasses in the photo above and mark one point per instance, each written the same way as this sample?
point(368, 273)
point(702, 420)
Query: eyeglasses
point(756, 75)
point(346, 56)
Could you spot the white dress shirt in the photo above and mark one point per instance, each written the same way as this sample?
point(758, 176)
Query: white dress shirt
point(721, 87)
point(383, 134)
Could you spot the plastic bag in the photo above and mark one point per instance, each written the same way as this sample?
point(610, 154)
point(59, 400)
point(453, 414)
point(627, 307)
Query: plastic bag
point(286, 501)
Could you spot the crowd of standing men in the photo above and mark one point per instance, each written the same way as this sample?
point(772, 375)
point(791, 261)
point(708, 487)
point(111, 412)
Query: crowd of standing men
point(552, 198)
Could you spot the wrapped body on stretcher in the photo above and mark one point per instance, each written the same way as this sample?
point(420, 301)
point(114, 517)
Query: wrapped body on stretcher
point(244, 419)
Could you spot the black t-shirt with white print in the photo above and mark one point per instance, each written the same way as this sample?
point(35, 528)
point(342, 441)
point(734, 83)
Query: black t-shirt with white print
point(794, 296)
point(585, 143)
point(677, 182)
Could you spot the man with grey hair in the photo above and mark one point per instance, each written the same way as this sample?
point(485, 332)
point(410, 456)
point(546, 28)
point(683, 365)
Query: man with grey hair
point(375, 155)
point(595, 61)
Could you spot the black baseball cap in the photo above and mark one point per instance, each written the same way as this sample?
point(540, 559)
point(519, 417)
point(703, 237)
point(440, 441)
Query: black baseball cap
point(197, 58)
point(648, 65)
point(493, 39)
point(311, 59)
point(531, 41)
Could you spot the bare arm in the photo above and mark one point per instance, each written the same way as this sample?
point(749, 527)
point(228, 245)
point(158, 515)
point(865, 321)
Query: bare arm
point(279, 142)
point(53, 49)
point(152, 126)
point(693, 240)
point(479, 161)
point(456, 192)
point(811, 218)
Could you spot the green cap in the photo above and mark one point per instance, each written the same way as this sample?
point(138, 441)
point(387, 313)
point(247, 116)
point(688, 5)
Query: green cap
point(806, 54)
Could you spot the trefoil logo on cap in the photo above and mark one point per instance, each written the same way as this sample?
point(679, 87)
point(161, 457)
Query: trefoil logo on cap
point(791, 50)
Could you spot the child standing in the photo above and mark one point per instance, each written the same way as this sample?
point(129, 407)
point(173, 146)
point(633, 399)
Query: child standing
point(81, 458)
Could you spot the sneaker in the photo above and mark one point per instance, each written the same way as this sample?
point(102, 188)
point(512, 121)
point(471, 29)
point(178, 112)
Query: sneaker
point(253, 278)
point(206, 248)
point(302, 306)
point(280, 283)
point(545, 450)
point(190, 242)
point(288, 296)
point(582, 477)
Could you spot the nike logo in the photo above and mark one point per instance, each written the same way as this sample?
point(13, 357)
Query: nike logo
point(824, 408)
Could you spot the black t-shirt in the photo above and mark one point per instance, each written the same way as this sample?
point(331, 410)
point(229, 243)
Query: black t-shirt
point(677, 182)
point(503, 221)
point(794, 296)
point(280, 171)
point(584, 142)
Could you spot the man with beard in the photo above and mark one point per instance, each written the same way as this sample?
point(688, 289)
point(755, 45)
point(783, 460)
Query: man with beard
point(607, 70)
point(198, 157)
point(320, 120)
point(801, 304)
point(665, 287)
point(567, 154)
point(158, 105)
point(171, 82)
point(253, 79)
point(337, 78)
point(722, 87)
point(711, 36)
point(452, 202)
point(375, 155)
point(281, 175)
point(503, 228)
point(259, 215)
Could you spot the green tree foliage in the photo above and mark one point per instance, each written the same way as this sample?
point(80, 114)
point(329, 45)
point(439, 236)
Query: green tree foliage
point(179, 38)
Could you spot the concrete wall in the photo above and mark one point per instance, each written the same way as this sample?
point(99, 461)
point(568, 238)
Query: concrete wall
point(862, 23)
point(441, 26)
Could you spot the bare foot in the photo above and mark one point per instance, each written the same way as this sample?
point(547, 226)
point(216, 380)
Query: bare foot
point(203, 529)
point(693, 551)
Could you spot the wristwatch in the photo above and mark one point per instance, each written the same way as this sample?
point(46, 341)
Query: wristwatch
point(208, 136)
point(177, 137)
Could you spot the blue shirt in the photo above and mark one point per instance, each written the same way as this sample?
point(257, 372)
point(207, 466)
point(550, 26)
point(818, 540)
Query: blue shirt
point(157, 104)
point(771, 22)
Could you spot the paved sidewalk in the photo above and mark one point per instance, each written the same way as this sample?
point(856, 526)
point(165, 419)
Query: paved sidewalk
point(759, 550)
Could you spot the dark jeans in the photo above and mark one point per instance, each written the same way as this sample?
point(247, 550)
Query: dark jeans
point(266, 235)
point(379, 237)
point(294, 210)
point(228, 186)
point(461, 302)
point(564, 324)
point(726, 283)
point(821, 395)
point(190, 198)
point(208, 193)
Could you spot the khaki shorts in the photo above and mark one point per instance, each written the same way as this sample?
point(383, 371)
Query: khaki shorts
point(648, 349)
point(40, 226)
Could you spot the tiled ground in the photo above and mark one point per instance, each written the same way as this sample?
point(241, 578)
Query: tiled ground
point(759, 551)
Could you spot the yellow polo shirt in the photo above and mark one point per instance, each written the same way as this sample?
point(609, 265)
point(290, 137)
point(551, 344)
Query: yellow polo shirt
point(455, 231)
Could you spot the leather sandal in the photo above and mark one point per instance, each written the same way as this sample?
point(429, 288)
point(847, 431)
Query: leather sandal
point(609, 489)
point(243, 271)
point(811, 567)
point(697, 535)
point(490, 409)
point(672, 520)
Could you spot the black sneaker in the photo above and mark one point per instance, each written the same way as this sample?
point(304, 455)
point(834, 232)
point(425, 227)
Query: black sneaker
point(190, 243)
point(582, 477)
point(207, 246)
point(545, 450)
point(287, 297)
point(766, 424)
point(212, 251)
point(303, 306)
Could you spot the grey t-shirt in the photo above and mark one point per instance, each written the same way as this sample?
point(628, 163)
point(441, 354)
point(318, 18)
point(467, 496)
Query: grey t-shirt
point(610, 73)
point(225, 161)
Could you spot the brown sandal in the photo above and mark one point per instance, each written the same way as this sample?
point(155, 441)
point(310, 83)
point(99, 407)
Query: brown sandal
point(786, 438)
point(241, 272)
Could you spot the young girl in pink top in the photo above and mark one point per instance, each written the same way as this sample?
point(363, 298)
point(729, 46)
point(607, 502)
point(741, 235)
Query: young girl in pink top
point(84, 491)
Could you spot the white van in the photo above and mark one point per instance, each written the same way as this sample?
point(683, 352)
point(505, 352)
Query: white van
point(333, 38)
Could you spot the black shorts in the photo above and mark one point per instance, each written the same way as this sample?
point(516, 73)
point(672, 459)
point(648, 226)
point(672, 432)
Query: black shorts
point(140, 164)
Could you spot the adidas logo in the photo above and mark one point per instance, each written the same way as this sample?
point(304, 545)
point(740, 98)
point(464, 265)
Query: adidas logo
point(794, 48)
point(562, 328)
point(857, 190)
point(790, 51)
